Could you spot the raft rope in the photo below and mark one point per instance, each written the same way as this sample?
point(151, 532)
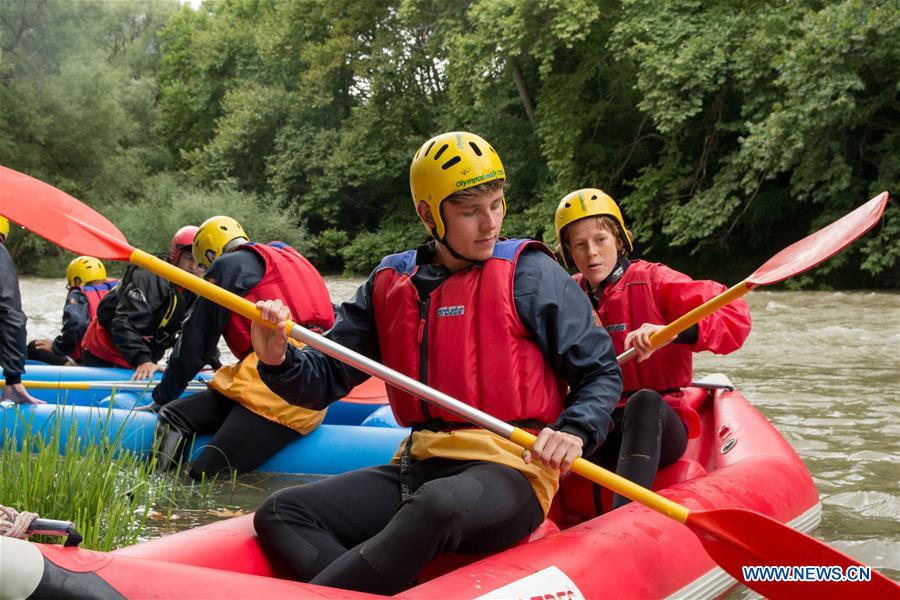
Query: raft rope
point(15, 524)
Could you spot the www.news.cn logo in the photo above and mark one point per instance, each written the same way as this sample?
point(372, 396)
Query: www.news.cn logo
point(807, 573)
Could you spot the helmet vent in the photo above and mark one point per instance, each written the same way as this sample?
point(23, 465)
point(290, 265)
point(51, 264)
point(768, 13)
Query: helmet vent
point(594, 197)
point(568, 205)
point(475, 148)
point(450, 163)
point(441, 151)
point(428, 149)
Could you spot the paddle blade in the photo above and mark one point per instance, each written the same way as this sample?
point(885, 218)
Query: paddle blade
point(820, 246)
point(58, 217)
point(737, 538)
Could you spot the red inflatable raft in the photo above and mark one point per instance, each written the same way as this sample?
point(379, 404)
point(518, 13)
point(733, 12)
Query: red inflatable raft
point(739, 461)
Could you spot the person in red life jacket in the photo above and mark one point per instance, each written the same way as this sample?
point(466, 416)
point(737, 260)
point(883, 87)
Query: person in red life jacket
point(12, 327)
point(495, 323)
point(633, 300)
point(140, 318)
point(87, 284)
point(248, 421)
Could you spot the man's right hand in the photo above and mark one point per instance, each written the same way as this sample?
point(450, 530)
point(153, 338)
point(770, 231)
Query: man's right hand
point(270, 343)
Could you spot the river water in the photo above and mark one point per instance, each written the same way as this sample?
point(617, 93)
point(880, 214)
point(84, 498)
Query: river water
point(824, 367)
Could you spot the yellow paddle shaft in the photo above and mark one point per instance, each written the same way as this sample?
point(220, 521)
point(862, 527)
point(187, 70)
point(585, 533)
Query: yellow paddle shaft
point(614, 482)
point(182, 278)
point(53, 385)
point(691, 318)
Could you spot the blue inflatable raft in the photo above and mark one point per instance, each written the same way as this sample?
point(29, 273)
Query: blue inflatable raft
point(358, 431)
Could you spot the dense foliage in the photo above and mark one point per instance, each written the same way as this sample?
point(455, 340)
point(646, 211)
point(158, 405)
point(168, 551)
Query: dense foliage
point(725, 129)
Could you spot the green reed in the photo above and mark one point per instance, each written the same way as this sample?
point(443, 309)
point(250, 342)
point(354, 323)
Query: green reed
point(87, 477)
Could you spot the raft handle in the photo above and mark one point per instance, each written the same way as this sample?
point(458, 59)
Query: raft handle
point(56, 528)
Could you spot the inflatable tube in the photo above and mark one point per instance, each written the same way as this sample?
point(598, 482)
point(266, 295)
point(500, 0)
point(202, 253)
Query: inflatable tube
point(357, 405)
point(94, 396)
point(328, 450)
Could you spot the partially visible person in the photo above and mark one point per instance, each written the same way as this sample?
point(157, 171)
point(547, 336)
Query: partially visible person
point(12, 327)
point(141, 317)
point(249, 422)
point(87, 284)
point(633, 300)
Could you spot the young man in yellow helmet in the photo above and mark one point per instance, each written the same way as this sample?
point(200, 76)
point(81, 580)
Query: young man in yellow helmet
point(248, 421)
point(494, 323)
point(633, 300)
point(141, 317)
point(87, 284)
point(12, 327)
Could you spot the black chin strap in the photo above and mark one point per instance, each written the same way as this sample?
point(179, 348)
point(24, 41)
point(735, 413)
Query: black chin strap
point(447, 245)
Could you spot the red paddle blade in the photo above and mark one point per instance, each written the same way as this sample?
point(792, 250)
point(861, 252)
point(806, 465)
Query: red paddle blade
point(820, 246)
point(799, 566)
point(59, 218)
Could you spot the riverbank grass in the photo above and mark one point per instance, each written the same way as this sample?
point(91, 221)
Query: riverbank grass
point(108, 492)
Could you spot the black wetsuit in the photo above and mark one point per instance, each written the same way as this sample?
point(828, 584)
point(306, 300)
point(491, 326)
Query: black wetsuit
point(76, 318)
point(242, 440)
point(648, 433)
point(353, 530)
point(133, 314)
point(12, 321)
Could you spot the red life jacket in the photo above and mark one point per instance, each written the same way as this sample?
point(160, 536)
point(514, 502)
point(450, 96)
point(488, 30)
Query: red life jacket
point(94, 294)
point(654, 293)
point(290, 278)
point(99, 343)
point(465, 340)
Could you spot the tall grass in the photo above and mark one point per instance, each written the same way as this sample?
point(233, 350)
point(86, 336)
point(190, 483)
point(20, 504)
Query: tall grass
point(61, 473)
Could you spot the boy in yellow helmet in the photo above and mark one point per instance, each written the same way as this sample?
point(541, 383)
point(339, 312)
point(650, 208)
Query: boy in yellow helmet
point(633, 299)
point(249, 423)
point(12, 327)
point(494, 323)
point(87, 284)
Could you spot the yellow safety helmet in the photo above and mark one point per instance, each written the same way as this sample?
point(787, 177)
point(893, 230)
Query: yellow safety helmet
point(213, 237)
point(4, 228)
point(449, 163)
point(589, 202)
point(85, 269)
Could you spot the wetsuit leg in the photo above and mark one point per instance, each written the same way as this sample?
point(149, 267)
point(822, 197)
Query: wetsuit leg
point(305, 528)
point(468, 507)
point(351, 531)
point(203, 412)
point(607, 455)
point(48, 356)
point(243, 442)
point(653, 436)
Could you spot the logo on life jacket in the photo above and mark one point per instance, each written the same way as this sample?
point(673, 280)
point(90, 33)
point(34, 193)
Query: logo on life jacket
point(451, 311)
point(137, 294)
point(616, 327)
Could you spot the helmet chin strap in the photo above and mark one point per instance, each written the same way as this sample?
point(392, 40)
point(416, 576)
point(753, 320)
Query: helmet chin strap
point(443, 241)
